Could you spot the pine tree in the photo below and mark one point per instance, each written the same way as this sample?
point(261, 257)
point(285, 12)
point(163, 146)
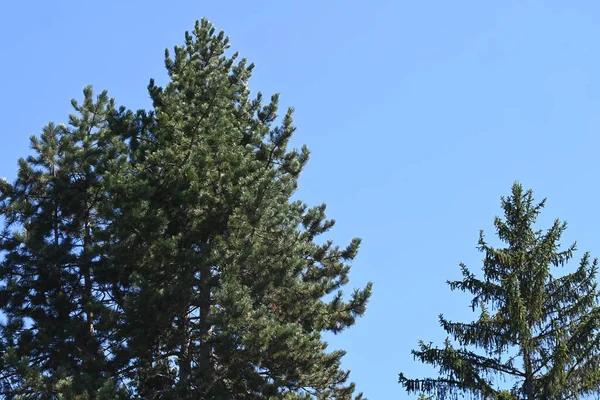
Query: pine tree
point(536, 330)
point(159, 254)
point(56, 334)
point(243, 289)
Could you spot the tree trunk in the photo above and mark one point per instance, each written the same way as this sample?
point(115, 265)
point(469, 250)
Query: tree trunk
point(528, 384)
point(204, 361)
point(87, 278)
point(184, 356)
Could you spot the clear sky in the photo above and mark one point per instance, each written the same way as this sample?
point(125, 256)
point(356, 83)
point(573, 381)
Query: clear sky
point(419, 115)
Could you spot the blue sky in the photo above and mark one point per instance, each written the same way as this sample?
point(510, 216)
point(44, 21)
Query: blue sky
point(419, 115)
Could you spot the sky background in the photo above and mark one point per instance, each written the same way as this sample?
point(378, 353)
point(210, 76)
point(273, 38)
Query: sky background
point(419, 115)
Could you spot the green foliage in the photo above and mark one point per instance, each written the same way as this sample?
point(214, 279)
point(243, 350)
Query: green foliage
point(158, 254)
point(56, 335)
point(535, 329)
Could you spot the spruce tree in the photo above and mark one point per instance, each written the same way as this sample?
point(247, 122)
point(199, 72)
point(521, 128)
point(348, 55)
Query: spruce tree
point(537, 330)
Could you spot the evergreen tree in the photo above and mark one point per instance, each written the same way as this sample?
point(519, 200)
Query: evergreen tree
point(210, 237)
point(56, 335)
point(158, 254)
point(536, 330)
